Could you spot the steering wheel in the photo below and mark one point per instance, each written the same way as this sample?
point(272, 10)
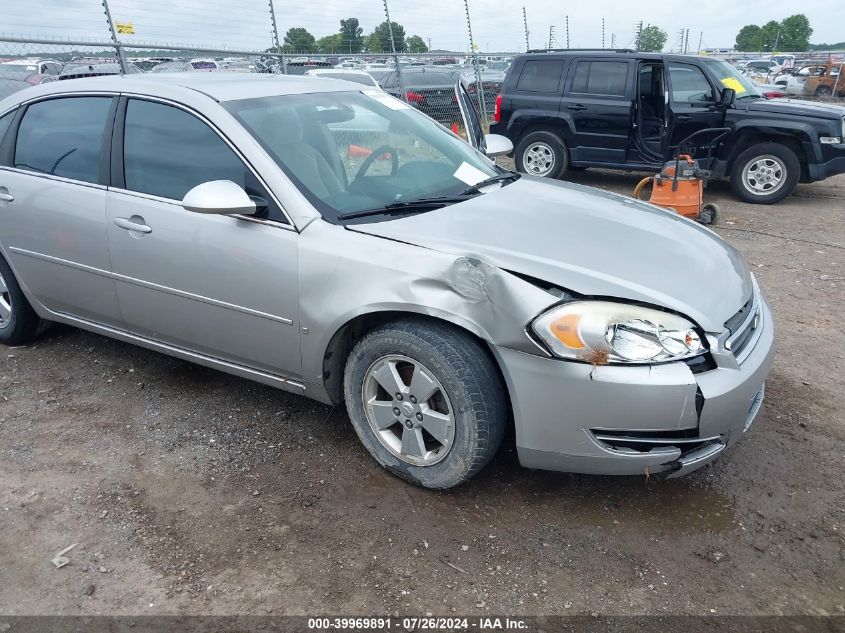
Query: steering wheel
point(379, 151)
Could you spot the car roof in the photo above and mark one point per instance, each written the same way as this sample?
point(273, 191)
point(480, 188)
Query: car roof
point(220, 86)
point(613, 54)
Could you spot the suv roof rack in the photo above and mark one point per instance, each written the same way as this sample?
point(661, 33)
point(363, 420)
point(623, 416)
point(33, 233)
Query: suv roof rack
point(581, 50)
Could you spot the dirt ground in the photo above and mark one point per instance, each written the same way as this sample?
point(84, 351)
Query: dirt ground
point(189, 491)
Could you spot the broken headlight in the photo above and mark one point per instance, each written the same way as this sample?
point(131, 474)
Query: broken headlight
point(601, 332)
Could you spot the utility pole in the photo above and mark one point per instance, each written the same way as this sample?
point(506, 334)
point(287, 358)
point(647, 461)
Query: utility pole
point(613, 40)
point(567, 31)
point(774, 48)
point(551, 36)
point(602, 32)
point(686, 42)
point(639, 33)
point(525, 25)
point(395, 56)
point(681, 41)
point(276, 39)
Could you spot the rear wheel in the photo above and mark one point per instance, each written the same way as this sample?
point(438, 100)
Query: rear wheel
point(542, 154)
point(823, 91)
point(765, 173)
point(18, 321)
point(426, 401)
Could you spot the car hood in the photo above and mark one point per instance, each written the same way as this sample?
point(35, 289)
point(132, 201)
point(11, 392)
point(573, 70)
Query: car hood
point(588, 241)
point(795, 107)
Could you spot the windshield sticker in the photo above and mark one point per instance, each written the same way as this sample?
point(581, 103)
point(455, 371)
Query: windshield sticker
point(470, 175)
point(733, 84)
point(385, 99)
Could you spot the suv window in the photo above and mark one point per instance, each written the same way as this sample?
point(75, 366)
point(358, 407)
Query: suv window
point(689, 84)
point(600, 78)
point(540, 76)
point(63, 137)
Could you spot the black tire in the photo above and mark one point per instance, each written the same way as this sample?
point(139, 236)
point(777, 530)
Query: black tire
point(789, 164)
point(823, 91)
point(469, 379)
point(22, 324)
point(557, 151)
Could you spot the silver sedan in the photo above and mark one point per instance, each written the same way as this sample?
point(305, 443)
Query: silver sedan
point(331, 241)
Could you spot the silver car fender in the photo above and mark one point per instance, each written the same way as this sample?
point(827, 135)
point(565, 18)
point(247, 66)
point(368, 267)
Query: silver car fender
point(345, 275)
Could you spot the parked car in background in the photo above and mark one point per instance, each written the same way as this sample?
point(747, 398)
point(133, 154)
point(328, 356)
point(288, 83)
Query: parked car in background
point(77, 69)
point(206, 65)
point(430, 90)
point(491, 84)
point(298, 66)
point(443, 300)
point(172, 67)
point(795, 82)
point(825, 84)
point(631, 110)
point(33, 66)
point(355, 76)
point(240, 66)
point(15, 80)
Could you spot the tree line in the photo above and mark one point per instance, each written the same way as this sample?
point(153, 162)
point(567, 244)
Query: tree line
point(790, 34)
point(351, 39)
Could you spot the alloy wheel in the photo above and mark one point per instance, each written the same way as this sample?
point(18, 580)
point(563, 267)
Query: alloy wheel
point(764, 175)
point(538, 159)
point(5, 304)
point(408, 410)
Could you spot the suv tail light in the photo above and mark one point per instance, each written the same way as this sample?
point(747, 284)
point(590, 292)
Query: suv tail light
point(774, 94)
point(497, 110)
point(415, 97)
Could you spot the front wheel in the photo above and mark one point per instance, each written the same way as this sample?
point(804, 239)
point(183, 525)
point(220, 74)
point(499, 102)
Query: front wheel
point(542, 154)
point(426, 401)
point(765, 173)
point(823, 91)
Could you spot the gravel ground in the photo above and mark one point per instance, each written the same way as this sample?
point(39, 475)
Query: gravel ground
point(189, 491)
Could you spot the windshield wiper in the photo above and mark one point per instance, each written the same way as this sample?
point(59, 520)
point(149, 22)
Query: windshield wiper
point(477, 187)
point(405, 206)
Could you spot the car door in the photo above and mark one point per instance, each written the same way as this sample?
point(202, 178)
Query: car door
point(692, 107)
point(223, 286)
point(598, 103)
point(53, 205)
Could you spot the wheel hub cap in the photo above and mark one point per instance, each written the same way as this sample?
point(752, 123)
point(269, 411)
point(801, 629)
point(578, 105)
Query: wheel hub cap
point(408, 410)
point(538, 159)
point(5, 303)
point(764, 175)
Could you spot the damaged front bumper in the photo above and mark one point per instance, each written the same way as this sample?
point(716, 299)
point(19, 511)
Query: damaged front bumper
point(618, 420)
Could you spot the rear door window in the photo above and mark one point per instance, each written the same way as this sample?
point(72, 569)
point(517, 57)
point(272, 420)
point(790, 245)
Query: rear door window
point(63, 137)
point(600, 78)
point(5, 122)
point(540, 76)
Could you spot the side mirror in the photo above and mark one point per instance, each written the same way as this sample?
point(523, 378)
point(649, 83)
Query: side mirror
point(221, 197)
point(497, 145)
point(728, 97)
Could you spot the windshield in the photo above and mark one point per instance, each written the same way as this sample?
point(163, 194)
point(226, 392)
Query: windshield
point(730, 77)
point(354, 151)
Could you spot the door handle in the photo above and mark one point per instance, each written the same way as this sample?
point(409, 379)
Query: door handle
point(5, 196)
point(132, 225)
point(577, 107)
point(683, 117)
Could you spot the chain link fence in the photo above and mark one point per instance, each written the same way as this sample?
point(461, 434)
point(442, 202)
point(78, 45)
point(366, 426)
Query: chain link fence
point(49, 42)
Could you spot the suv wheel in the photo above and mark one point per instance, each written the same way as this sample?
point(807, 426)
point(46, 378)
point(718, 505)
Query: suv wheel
point(18, 321)
point(765, 173)
point(542, 154)
point(426, 401)
point(823, 91)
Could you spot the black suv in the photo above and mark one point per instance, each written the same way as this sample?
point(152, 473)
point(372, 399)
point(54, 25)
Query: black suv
point(628, 110)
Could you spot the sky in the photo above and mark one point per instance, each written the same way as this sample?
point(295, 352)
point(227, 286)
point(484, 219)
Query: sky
point(496, 25)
